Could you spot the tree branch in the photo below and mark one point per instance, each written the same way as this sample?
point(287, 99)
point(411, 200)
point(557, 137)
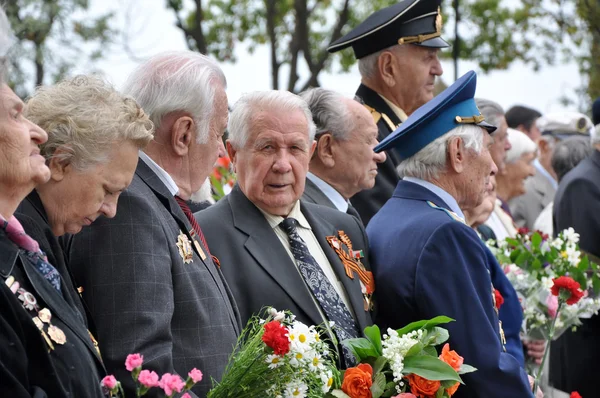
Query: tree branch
point(275, 64)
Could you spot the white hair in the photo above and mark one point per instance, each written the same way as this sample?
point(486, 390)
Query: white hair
point(367, 66)
point(520, 143)
point(281, 102)
point(177, 81)
point(491, 111)
point(430, 161)
point(329, 112)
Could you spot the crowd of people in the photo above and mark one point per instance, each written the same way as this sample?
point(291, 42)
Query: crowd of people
point(346, 211)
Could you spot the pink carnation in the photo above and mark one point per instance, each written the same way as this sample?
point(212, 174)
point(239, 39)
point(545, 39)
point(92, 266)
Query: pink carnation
point(195, 375)
point(133, 361)
point(552, 304)
point(170, 383)
point(186, 395)
point(109, 382)
point(404, 395)
point(148, 379)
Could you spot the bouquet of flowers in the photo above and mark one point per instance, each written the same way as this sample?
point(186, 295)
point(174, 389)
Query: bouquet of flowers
point(145, 380)
point(222, 179)
point(531, 262)
point(278, 357)
point(403, 362)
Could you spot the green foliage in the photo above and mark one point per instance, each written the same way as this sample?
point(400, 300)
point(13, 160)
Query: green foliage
point(51, 36)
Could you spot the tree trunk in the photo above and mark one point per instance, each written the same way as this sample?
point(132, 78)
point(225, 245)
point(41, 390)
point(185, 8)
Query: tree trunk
point(456, 46)
point(271, 16)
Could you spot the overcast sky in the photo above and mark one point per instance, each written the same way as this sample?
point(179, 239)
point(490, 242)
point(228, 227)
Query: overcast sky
point(152, 30)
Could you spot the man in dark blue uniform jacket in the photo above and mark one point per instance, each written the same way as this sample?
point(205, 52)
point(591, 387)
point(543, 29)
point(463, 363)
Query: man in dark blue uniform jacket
point(426, 260)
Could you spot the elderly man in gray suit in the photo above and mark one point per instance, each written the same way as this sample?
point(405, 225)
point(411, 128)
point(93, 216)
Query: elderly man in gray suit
point(147, 274)
point(344, 162)
point(273, 249)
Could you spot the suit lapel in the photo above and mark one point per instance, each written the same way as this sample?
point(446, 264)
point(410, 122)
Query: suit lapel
point(322, 229)
point(312, 191)
point(264, 246)
point(544, 187)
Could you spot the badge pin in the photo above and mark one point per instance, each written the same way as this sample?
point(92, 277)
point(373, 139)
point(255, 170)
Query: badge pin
point(28, 299)
point(45, 315)
point(199, 248)
point(9, 281)
point(40, 326)
point(57, 335)
point(185, 248)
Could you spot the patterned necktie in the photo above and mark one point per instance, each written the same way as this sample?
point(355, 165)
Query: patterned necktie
point(329, 300)
point(15, 232)
point(190, 216)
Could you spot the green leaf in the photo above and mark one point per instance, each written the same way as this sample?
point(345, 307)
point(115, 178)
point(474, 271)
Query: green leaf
point(441, 335)
point(521, 258)
point(536, 240)
point(378, 386)
point(430, 368)
point(431, 351)
point(464, 368)
point(415, 349)
point(584, 264)
point(596, 283)
point(362, 348)
point(373, 334)
point(438, 320)
point(379, 364)
point(338, 394)
point(390, 390)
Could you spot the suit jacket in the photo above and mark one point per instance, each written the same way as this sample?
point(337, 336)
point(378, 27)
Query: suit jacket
point(258, 268)
point(369, 201)
point(526, 208)
point(142, 295)
point(313, 194)
point(28, 368)
point(430, 265)
point(577, 204)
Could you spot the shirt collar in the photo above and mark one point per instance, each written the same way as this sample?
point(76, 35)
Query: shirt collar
point(445, 196)
point(397, 110)
point(274, 220)
point(336, 198)
point(160, 173)
point(540, 169)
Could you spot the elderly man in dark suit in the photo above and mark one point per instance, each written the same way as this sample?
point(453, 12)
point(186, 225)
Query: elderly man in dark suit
point(344, 162)
point(147, 274)
point(577, 204)
point(273, 249)
point(397, 50)
point(431, 263)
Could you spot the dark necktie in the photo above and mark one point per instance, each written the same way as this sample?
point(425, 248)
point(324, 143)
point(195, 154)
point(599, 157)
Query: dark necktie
point(195, 226)
point(352, 211)
point(329, 300)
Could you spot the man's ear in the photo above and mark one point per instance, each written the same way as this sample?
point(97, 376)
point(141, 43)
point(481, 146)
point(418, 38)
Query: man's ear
point(325, 150)
point(457, 153)
point(544, 146)
point(60, 163)
point(231, 152)
point(386, 63)
point(183, 132)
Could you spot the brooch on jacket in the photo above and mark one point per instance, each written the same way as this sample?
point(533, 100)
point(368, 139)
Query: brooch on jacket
point(352, 265)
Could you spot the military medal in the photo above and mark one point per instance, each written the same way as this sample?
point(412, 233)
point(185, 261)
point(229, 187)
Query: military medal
point(185, 248)
point(199, 248)
point(28, 299)
point(9, 281)
point(40, 326)
point(45, 315)
point(57, 335)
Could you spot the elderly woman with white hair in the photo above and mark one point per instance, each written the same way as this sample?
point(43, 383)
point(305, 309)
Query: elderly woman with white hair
point(519, 166)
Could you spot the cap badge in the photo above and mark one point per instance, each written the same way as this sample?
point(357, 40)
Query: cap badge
point(475, 119)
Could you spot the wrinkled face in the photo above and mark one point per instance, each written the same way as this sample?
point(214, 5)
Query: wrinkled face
point(203, 156)
point(416, 81)
point(500, 145)
point(272, 165)
point(78, 198)
point(21, 165)
point(355, 160)
point(481, 213)
point(478, 172)
point(518, 171)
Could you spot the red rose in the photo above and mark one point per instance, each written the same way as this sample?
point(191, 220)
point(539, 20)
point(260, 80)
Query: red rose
point(358, 381)
point(575, 394)
point(523, 231)
point(498, 298)
point(568, 285)
point(275, 336)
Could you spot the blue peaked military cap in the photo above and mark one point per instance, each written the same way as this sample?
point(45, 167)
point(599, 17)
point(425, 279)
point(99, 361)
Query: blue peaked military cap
point(416, 22)
point(453, 107)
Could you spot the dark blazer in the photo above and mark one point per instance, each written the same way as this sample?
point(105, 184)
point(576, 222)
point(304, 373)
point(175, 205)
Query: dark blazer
point(313, 194)
point(27, 367)
point(144, 298)
point(574, 356)
point(258, 268)
point(369, 201)
point(430, 264)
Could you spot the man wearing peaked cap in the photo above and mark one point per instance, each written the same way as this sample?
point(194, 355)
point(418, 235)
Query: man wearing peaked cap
point(396, 48)
point(431, 263)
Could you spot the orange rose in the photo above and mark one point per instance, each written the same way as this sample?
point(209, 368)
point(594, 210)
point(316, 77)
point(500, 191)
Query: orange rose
point(452, 390)
point(357, 381)
point(422, 387)
point(451, 357)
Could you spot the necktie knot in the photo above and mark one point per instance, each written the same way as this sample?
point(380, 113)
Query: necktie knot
point(289, 225)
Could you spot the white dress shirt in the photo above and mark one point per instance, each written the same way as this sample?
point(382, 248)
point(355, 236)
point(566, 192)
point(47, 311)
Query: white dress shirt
point(161, 173)
point(397, 110)
point(336, 198)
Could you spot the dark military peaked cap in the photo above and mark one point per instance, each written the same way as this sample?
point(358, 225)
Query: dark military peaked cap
point(453, 107)
point(408, 22)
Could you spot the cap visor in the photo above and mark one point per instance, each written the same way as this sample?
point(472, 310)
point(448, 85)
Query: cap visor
point(436, 42)
point(490, 129)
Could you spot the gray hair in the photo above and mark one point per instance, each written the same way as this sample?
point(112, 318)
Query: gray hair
point(367, 66)
point(429, 162)
point(86, 117)
point(251, 103)
point(329, 112)
point(7, 39)
point(595, 135)
point(491, 111)
point(520, 144)
point(177, 81)
point(568, 153)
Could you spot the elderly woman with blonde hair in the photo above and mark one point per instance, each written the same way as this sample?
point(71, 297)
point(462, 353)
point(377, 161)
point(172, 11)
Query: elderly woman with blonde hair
point(89, 155)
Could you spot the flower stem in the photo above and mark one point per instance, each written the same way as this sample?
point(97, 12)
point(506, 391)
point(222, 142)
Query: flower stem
point(547, 349)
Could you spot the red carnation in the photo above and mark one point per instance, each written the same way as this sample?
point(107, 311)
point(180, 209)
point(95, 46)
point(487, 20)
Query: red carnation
point(567, 284)
point(275, 336)
point(575, 394)
point(499, 299)
point(542, 234)
point(522, 231)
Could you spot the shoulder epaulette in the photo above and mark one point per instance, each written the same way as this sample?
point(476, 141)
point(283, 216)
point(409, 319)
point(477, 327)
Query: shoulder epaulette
point(376, 115)
point(452, 214)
